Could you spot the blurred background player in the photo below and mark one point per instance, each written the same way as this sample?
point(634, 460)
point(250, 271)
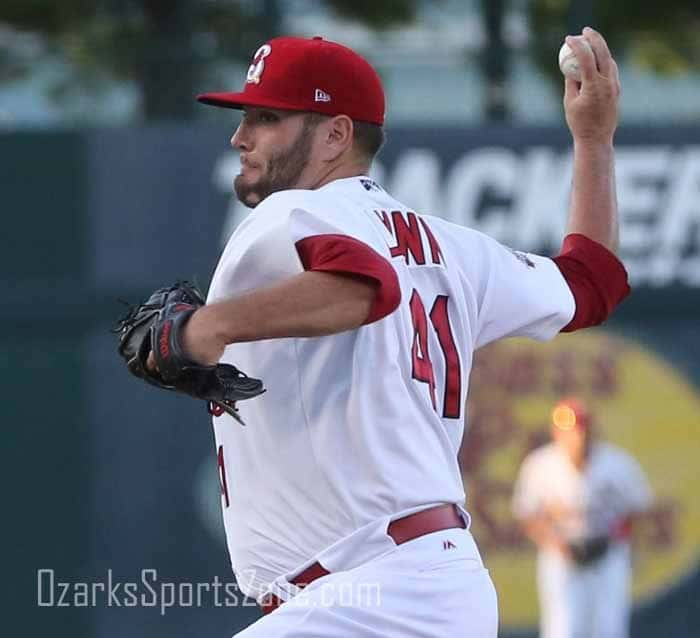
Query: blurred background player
point(576, 499)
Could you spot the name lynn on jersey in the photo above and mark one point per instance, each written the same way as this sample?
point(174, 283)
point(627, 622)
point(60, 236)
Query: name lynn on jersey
point(411, 234)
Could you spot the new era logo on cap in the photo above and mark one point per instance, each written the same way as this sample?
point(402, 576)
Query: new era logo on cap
point(321, 96)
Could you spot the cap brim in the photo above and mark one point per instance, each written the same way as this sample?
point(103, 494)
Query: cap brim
point(241, 100)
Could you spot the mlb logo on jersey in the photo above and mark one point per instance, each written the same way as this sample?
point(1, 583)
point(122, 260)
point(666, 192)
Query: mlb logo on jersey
point(523, 258)
point(369, 184)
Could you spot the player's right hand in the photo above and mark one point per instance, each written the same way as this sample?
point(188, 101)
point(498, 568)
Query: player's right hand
point(591, 105)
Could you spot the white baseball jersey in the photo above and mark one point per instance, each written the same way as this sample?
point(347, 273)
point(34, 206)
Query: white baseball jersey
point(361, 427)
point(582, 504)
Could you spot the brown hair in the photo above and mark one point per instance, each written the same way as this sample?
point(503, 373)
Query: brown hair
point(368, 138)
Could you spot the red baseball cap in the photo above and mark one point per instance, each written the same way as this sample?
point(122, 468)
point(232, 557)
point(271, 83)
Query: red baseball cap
point(300, 74)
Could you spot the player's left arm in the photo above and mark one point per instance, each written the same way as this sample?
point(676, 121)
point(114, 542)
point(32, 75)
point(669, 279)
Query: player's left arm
point(591, 112)
point(310, 304)
point(587, 261)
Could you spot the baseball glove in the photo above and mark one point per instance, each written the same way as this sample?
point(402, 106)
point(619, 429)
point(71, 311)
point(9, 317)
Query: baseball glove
point(155, 326)
point(587, 551)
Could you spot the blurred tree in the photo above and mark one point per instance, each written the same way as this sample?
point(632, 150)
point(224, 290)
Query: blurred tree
point(494, 61)
point(378, 14)
point(660, 36)
point(166, 49)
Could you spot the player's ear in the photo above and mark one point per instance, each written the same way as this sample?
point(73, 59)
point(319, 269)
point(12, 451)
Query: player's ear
point(339, 135)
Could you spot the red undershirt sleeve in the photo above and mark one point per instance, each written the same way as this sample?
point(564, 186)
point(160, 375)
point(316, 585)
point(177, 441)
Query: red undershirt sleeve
point(596, 277)
point(343, 254)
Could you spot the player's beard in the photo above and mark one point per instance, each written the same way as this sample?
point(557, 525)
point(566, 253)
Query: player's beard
point(284, 168)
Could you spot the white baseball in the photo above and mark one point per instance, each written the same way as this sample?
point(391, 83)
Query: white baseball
point(568, 62)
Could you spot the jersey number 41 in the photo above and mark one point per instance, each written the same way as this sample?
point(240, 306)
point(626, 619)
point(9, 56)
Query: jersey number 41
point(420, 354)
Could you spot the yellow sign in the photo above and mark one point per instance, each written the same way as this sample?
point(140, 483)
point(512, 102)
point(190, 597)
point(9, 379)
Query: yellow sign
point(640, 403)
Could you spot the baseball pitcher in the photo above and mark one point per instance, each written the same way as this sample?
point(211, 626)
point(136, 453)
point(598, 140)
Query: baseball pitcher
point(342, 497)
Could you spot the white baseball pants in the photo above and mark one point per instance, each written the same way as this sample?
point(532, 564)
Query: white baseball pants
point(434, 586)
point(584, 602)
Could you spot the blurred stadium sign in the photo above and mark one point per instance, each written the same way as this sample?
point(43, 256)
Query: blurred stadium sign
point(521, 197)
point(516, 188)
